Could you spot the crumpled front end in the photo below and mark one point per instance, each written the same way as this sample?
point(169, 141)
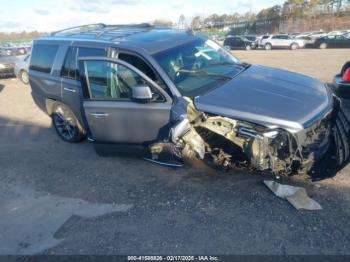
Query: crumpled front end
point(227, 142)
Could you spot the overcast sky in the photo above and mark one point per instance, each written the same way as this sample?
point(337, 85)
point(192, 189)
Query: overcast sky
point(49, 15)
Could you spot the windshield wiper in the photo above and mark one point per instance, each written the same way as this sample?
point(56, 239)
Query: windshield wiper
point(228, 63)
point(202, 73)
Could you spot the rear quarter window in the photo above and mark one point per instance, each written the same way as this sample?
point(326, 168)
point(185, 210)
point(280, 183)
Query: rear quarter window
point(42, 57)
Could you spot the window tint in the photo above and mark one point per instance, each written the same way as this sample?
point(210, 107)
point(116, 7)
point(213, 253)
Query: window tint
point(139, 64)
point(108, 80)
point(339, 37)
point(70, 64)
point(70, 67)
point(43, 57)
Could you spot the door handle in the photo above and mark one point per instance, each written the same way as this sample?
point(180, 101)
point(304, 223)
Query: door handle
point(69, 89)
point(99, 114)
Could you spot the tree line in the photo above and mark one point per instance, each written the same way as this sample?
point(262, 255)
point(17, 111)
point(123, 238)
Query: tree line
point(289, 16)
point(20, 36)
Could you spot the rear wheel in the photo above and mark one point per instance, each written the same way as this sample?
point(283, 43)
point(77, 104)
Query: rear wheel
point(23, 76)
point(66, 124)
point(294, 46)
point(268, 46)
point(323, 45)
point(227, 47)
point(248, 47)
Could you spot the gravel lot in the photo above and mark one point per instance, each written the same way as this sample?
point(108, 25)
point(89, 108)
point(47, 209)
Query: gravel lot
point(60, 198)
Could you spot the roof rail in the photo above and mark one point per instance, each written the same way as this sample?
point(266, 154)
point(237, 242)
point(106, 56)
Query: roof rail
point(88, 26)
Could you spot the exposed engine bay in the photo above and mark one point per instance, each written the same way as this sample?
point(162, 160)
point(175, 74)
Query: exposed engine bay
point(228, 142)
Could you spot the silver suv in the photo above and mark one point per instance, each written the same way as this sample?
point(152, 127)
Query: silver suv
point(178, 95)
point(281, 41)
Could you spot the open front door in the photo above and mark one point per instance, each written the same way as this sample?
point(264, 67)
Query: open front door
point(121, 104)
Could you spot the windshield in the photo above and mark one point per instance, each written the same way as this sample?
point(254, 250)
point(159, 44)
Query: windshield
point(198, 66)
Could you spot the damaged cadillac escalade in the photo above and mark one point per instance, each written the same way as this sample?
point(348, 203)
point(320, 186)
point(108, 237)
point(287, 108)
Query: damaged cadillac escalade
point(183, 96)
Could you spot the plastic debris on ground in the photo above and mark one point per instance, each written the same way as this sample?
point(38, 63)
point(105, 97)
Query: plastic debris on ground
point(296, 196)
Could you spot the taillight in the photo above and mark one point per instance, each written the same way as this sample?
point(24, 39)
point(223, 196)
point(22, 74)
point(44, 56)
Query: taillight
point(346, 75)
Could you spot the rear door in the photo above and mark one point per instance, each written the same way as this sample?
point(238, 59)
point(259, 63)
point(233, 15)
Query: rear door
point(111, 112)
point(285, 41)
point(341, 41)
point(70, 80)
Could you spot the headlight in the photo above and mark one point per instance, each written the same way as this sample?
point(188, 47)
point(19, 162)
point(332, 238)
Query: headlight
point(2, 66)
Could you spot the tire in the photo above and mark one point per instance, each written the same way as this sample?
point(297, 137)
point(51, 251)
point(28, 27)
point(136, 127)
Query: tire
point(323, 45)
point(248, 47)
point(66, 124)
point(294, 46)
point(268, 46)
point(227, 47)
point(24, 77)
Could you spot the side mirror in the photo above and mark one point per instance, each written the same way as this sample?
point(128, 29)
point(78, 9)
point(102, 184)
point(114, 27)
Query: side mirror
point(142, 93)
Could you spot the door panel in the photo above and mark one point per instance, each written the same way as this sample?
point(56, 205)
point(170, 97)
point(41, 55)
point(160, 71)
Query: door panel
point(126, 122)
point(71, 96)
point(111, 112)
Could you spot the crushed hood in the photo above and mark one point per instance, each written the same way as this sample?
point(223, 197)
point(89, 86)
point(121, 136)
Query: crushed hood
point(269, 96)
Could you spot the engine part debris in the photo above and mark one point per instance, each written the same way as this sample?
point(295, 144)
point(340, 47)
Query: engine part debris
point(296, 196)
point(230, 142)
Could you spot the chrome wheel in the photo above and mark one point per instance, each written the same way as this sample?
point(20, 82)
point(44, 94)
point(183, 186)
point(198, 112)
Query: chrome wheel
point(294, 46)
point(24, 77)
point(268, 47)
point(323, 46)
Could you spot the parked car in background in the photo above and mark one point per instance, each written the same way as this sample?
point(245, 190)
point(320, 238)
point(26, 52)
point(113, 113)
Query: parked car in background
point(281, 41)
point(309, 41)
point(332, 41)
point(313, 34)
point(21, 68)
point(335, 33)
point(7, 64)
point(342, 81)
point(238, 42)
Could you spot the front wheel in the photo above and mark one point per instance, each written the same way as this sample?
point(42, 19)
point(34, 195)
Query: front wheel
point(248, 47)
point(23, 76)
point(66, 124)
point(268, 47)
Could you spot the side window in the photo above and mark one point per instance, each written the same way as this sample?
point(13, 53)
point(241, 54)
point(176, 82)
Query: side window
point(43, 56)
point(339, 37)
point(70, 64)
point(275, 37)
point(139, 64)
point(70, 67)
point(108, 80)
